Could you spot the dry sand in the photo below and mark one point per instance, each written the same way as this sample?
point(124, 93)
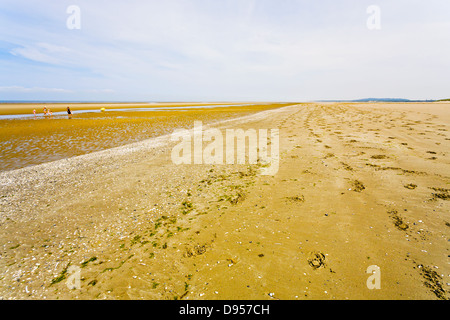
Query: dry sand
point(358, 185)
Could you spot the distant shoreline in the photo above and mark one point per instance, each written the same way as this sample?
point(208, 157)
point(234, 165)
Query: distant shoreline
point(28, 107)
point(374, 100)
point(18, 102)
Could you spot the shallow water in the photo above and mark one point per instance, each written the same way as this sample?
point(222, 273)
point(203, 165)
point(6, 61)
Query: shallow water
point(27, 140)
point(64, 113)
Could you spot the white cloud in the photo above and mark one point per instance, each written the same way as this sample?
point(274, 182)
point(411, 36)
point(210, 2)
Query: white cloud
point(42, 52)
point(20, 89)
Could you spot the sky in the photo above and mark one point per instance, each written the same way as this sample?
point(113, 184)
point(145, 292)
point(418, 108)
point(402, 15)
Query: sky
point(224, 50)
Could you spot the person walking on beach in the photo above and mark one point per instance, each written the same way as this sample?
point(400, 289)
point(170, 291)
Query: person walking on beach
point(45, 110)
point(69, 113)
point(34, 112)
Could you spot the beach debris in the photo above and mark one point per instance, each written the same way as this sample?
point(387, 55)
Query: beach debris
point(15, 247)
point(194, 251)
point(358, 186)
point(379, 156)
point(346, 166)
point(232, 262)
point(433, 281)
point(84, 264)
point(442, 196)
point(187, 207)
point(92, 283)
point(62, 276)
point(238, 197)
point(299, 198)
point(411, 186)
point(398, 220)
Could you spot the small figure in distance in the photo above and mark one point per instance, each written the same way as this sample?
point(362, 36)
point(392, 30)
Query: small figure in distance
point(69, 113)
point(34, 112)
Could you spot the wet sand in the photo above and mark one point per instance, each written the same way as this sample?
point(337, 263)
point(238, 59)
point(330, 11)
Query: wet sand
point(358, 185)
point(30, 141)
point(27, 108)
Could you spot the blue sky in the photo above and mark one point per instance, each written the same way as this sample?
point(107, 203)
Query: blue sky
point(223, 50)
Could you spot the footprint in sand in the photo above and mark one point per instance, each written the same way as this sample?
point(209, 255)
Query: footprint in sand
point(316, 260)
point(357, 186)
point(398, 220)
point(379, 156)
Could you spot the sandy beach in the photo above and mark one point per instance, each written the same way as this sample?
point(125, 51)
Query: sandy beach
point(358, 185)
